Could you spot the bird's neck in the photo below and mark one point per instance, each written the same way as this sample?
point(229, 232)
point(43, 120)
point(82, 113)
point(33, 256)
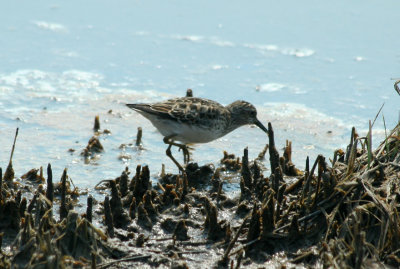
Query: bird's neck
point(235, 122)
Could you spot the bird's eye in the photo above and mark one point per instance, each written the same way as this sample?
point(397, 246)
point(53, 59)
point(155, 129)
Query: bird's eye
point(253, 113)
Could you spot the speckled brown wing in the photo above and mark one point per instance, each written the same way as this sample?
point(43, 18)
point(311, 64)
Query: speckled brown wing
point(190, 110)
point(202, 112)
point(159, 109)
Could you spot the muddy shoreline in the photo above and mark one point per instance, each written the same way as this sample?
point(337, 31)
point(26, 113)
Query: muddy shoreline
point(340, 212)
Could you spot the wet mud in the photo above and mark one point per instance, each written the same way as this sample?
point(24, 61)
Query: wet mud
point(337, 213)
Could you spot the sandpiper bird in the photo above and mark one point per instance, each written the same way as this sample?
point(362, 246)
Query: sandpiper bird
point(193, 120)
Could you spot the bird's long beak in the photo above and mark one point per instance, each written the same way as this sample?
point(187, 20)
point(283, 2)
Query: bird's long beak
point(262, 127)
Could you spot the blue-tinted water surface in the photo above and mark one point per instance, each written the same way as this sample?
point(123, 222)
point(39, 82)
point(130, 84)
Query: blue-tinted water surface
point(312, 68)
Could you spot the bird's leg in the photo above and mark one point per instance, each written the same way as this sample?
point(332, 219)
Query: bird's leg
point(167, 140)
point(169, 154)
point(186, 154)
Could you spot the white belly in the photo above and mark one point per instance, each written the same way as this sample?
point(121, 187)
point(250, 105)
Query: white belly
point(184, 132)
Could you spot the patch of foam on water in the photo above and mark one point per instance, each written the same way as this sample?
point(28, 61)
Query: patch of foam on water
point(221, 43)
point(82, 75)
point(21, 78)
point(191, 38)
point(219, 67)
point(51, 26)
point(211, 40)
point(262, 47)
point(31, 91)
point(298, 52)
point(270, 87)
point(265, 48)
point(297, 90)
point(44, 84)
point(275, 87)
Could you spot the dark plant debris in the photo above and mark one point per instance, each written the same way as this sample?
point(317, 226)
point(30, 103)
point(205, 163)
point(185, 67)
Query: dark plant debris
point(340, 213)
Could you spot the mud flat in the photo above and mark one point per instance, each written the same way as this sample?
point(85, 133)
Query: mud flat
point(337, 213)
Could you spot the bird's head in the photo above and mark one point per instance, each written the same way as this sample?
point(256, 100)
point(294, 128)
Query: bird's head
point(243, 113)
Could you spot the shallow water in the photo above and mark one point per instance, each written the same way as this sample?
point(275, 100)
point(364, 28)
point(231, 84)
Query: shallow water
point(312, 69)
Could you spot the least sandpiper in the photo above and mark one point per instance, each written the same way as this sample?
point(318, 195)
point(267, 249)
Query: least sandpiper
point(193, 120)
